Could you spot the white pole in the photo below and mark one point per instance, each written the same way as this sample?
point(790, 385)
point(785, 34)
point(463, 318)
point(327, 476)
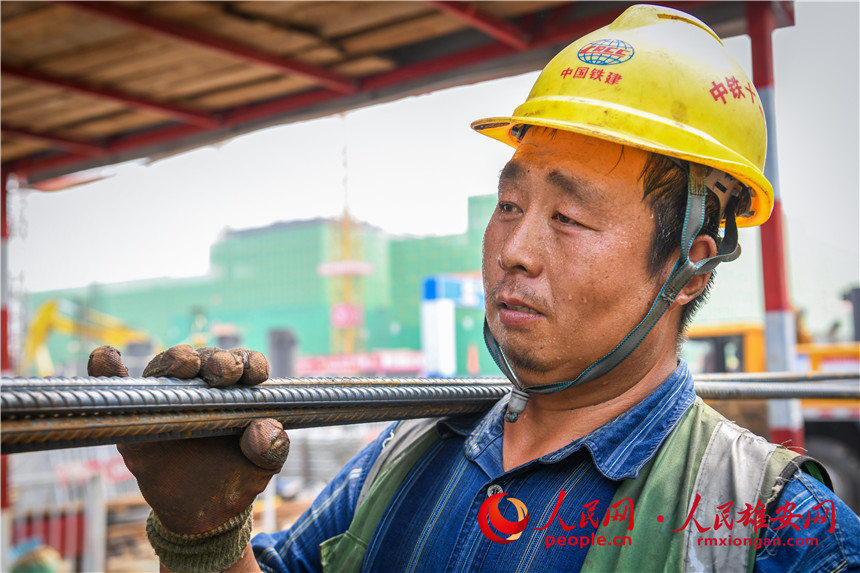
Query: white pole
point(6, 541)
point(95, 525)
point(269, 517)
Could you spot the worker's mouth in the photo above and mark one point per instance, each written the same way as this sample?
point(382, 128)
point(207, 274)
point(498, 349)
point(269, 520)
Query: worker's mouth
point(515, 312)
point(520, 308)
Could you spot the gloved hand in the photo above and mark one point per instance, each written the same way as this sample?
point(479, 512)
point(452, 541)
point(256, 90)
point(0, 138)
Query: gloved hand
point(199, 485)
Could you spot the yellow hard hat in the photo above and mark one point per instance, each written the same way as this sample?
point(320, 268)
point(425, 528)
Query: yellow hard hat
point(660, 80)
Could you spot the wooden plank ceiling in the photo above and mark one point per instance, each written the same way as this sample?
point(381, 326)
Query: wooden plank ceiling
point(89, 83)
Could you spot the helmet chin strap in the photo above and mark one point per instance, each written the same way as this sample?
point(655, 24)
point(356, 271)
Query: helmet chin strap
point(682, 272)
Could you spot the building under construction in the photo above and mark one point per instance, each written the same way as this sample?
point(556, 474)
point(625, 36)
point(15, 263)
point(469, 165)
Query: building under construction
point(269, 286)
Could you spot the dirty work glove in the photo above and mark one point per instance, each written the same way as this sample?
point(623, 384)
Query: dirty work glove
point(201, 489)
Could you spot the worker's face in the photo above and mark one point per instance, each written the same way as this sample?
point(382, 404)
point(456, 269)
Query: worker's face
point(569, 240)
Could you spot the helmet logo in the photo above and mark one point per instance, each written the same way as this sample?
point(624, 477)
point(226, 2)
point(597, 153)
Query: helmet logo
point(606, 52)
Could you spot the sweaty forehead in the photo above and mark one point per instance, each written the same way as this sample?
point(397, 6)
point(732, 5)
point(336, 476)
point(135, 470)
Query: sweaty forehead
point(598, 154)
point(589, 162)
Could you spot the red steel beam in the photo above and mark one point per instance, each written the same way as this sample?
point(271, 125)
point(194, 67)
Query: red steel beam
point(188, 115)
point(176, 31)
point(74, 145)
point(501, 30)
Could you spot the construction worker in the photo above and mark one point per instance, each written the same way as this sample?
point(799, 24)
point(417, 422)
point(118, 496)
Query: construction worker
point(603, 243)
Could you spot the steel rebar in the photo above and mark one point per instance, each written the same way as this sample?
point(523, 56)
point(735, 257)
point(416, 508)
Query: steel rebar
point(50, 413)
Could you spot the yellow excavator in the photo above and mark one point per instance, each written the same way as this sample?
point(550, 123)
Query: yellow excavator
point(64, 317)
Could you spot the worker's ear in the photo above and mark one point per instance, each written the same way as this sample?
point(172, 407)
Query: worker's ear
point(703, 247)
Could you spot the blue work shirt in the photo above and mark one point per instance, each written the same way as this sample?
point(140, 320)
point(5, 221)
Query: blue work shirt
point(432, 523)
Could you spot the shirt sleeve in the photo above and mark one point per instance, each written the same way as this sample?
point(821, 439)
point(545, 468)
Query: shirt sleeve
point(297, 548)
point(809, 544)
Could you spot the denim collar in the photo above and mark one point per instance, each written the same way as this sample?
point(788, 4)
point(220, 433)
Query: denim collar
point(618, 448)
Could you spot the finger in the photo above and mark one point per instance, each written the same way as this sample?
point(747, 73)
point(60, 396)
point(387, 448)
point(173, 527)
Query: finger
point(106, 361)
point(255, 367)
point(266, 444)
point(219, 367)
point(180, 361)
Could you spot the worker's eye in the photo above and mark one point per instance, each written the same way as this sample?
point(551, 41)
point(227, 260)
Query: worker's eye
point(505, 207)
point(564, 220)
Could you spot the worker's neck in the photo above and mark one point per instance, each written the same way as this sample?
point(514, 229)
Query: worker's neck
point(551, 421)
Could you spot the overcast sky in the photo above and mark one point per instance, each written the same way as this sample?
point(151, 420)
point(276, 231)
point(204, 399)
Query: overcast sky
point(413, 163)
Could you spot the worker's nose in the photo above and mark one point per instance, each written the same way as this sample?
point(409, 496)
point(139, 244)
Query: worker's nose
point(523, 246)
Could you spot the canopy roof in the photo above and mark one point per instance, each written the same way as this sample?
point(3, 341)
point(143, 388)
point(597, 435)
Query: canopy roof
point(87, 84)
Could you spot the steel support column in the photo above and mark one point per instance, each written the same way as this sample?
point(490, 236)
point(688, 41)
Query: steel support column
point(785, 416)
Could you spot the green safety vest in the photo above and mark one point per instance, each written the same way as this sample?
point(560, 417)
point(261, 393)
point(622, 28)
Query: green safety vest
point(705, 454)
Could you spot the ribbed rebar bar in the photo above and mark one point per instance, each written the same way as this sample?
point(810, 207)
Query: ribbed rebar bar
point(40, 414)
point(777, 390)
point(80, 382)
point(49, 413)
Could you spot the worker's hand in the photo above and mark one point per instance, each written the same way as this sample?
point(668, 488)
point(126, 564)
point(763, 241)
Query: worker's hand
point(198, 484)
